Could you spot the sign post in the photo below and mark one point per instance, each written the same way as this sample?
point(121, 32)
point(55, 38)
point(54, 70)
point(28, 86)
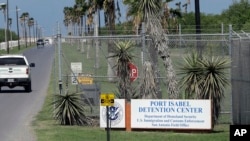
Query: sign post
point(133, 72)
point(107, 100)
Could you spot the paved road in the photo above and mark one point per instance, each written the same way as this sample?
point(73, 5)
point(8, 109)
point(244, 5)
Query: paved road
point(18, 108)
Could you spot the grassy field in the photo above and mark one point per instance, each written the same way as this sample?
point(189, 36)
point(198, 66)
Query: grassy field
point(47, 129)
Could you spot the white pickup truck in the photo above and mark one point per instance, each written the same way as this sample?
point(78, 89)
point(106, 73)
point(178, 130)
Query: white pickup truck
point(15, 71)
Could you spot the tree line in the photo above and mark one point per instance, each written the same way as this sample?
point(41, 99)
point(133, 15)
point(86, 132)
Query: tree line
point(28, 29)
point(82, 11)
point(237, 14)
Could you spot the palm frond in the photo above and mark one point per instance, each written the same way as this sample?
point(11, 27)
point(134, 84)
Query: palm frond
point(149, 7)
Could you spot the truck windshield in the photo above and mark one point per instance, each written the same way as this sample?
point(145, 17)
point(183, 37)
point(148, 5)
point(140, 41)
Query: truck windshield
point(12, 61)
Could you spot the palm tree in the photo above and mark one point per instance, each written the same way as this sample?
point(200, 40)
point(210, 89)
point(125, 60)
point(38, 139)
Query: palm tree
point(170, 17)
point(134, 14)
point(205, 78)
point(68, 18)
point(94, 7)
point(30, 24)
point(110, 7)
point(109, 14)
point(23, 18)
point(94, 11)
point(123, 54)
point(81, 8)
point(76, 13)
point(151, 12)
point(148, 85)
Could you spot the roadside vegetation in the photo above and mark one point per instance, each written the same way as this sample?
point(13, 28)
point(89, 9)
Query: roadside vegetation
point(48, 128)
point(59, 118)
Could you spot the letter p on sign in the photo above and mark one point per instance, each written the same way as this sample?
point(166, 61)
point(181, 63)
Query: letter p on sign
point(133, 72)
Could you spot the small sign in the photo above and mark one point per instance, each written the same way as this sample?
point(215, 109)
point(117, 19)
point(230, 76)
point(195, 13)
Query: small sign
point(85, 80)
point(76, 67)
point(133, 71)
point(74, 79)
point(117, 114)
point(107, 99)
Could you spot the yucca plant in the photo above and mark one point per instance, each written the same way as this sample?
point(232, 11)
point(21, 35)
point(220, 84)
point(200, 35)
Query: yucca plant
point(69, 110)
point(191, 72)
point(205, 78)
point(215, 80)
point(123, 54)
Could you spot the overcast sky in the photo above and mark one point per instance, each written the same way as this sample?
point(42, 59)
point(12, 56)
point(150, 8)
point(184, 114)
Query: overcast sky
point(48, 12)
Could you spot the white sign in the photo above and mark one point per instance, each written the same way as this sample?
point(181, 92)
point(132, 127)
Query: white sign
point(116, 114)
point(76, 67)
point(171, 114)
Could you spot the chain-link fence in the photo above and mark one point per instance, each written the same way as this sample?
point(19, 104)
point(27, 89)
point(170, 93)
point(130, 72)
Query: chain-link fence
point(241, 78)
point(92, 52)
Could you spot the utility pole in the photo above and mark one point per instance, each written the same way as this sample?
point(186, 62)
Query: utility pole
point(17, 26)
point(198, 27)
point(197, 16)
point(7, 27)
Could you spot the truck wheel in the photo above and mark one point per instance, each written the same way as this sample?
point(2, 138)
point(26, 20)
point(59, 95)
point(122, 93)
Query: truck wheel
point(28, 87)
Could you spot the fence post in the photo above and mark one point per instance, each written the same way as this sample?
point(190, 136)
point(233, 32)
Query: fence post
point(230, 54)
point(127, 115)
point(143, 43)
point(180, 35)
point(59, 58)
point(230, 40)
point(222, 28)
point(96, 40)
